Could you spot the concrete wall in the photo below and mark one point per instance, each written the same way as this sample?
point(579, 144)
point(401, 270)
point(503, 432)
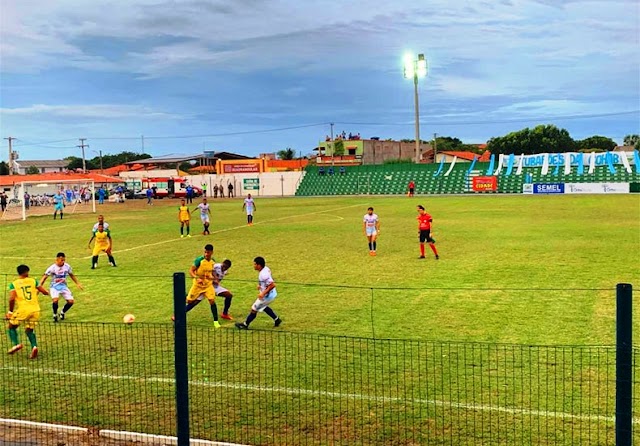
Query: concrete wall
point(377, 152)
point(272, 184)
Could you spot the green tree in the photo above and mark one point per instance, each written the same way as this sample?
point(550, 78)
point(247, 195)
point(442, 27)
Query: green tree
point(448, 143)
point(540, 139)
point(76, 163)
point(338, 148)
point(4, 168)
point(287, 154)
point(32, 170)
point(118, 158)
point(596, 143)
point(632, 140)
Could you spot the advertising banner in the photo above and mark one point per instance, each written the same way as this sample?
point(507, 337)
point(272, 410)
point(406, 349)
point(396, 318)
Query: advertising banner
point(597, 188)
point(241, 168)
point(548, 188)
point(484, 184)
point(251, 183)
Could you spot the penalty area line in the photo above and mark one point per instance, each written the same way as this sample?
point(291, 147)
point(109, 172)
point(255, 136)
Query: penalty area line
point(327, 394)
point(219, 231)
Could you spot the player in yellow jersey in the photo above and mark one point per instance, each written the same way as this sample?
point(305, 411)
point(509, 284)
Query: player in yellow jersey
point(24, 307)
point(103, 244)
point(184, 217)
point(202, 287)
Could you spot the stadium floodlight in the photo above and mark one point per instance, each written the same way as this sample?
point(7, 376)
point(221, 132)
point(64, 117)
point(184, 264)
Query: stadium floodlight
point(415, 68)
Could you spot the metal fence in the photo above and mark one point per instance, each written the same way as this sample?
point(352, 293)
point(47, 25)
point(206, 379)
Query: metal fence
point(265, 387)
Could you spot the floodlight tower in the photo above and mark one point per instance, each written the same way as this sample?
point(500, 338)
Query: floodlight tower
point(415, 68)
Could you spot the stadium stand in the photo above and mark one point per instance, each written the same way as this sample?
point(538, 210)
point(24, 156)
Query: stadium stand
point(393, 179)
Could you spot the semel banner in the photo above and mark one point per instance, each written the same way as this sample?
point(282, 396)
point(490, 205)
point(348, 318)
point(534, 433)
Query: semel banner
point(484, 184)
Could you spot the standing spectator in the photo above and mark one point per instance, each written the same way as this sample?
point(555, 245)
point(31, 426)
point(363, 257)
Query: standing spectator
point(267, 295)
point(155, 192)
point(3, 202)
point(27, 200)
point(221, 189)
point(425, 224)
point(412, 188)
point(215, 191)
point(230, 188)
point(189, 194)
point(204, 188)
point(149, 196)
point(101, 195)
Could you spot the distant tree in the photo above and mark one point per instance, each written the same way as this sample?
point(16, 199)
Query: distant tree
point(76, 163)
point(447, 144)
point(32, 170)
point(338, 148)
point(4, 168)
point(540, 139)
point(596, 143)
point(632, 140)
point(287, 154)
point(118, 158)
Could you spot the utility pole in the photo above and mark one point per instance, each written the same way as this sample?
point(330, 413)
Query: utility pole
point(101, 170)
point(333, 145)
point(10, 139)
point(435, 146)
point(82, 145)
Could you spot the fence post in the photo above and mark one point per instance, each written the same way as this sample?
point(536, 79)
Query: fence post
point(624, 359)
point(180, 355)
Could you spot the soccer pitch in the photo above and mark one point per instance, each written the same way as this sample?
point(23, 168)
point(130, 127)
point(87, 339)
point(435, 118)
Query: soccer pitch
point(459, 355)
point(513, 269)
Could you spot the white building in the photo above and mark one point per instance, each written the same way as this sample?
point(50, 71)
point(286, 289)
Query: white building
point(43, 166)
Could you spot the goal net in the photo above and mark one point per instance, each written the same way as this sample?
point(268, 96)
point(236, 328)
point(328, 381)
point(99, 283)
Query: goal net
point(28, 199)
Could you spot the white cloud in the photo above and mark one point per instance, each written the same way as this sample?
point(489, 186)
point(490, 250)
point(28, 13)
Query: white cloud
point(102, 111)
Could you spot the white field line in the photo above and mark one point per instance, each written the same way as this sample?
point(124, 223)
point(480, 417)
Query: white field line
point(323, 393)
point(48, 426)
point(231, 229)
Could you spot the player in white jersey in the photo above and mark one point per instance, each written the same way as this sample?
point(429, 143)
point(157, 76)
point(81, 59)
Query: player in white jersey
point(205, 214)
point(105, 225)
point(59, 272)
point(249, 206)
point(266, 296)
point(371, 228)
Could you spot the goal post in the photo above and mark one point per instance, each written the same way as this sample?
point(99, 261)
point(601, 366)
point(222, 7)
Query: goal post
point(33, 198)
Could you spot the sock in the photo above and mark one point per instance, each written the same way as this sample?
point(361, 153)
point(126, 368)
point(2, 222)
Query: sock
point(61, 214)
point(433, 248)
point(250, 218)
point(191, 305)
point(374, 245)
point(32, 338)
point(188, 229)
point(214, 311)
point(94, 261)
point(227, 305)
point(250, 318)
point(55, 308)
point(66, 307)
point(13, 335)
point(181, 230)
point(112, 260)
point(370, 246)
point(421, 249)
point(271, 313)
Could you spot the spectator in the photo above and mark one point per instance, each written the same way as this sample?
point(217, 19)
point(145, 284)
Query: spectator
point(204, 189)
point(230, 188)
point(101, 195)
point(155, 192)
point(189, 194)
point(149, 196)
point(221, 189)
point(27, 200)
point(215, 191)
point(330, 171)
point(321, 171)
point(342, 170)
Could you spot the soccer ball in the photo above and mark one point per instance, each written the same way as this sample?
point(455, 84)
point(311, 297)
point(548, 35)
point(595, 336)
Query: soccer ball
point(129, 319)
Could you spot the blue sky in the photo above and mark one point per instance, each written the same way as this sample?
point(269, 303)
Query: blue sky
point(111, 71)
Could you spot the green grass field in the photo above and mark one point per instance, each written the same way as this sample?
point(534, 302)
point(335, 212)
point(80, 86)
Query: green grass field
point(453, 362)
point(525, 245)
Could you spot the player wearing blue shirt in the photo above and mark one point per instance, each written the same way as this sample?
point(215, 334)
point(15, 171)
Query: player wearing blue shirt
point(58, 205)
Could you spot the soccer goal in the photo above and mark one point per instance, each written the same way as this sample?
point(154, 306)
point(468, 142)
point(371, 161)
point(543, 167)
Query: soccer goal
point(33, 198)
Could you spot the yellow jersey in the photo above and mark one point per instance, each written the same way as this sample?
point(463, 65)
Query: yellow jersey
point(184, 213)
point(26, 294)
point(204, 270)
point(102, 238)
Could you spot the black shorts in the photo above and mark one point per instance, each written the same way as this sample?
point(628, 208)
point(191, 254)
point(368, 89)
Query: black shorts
point(425, 236)
point(411, 190)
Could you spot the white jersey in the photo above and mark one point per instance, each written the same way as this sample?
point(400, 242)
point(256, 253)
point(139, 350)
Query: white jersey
point(265, 279)
point(248, 203)
point(59, 275)
point(370, 220)
point(105, 225)
point(218, 272)
point(204, 210)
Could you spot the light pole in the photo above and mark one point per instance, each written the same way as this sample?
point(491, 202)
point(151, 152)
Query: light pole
point(415, 68)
